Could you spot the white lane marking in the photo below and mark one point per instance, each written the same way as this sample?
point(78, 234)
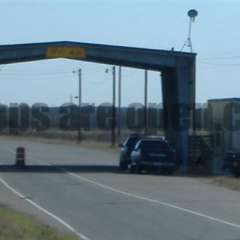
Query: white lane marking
point(8, 149)
point(218, 220)
point(58, 219)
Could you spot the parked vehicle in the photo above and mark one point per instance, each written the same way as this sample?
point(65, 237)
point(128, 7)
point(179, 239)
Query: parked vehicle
point(126, 149)
point(153, 154)
point(232, 163)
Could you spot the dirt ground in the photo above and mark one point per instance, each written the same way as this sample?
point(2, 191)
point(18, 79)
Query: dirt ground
point(84, 144)
point(225, 181)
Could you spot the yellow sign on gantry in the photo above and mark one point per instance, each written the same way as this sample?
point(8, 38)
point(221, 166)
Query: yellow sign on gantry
point(66, 52)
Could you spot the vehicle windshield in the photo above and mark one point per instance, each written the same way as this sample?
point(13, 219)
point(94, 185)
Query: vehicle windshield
point(130, 142)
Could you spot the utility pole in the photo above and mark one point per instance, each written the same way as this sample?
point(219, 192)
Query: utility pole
point(80, 87)
point(113, 138)
point(79, 102)
point(71, 98)
point(79, 72)
point(145, 102)
point(119, 101)
point(113, 122)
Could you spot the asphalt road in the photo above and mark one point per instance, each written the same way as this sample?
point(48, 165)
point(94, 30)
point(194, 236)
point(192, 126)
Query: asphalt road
point(81, 190)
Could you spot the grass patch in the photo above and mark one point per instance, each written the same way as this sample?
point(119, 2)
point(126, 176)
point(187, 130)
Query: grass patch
point(227, 182)
point(84, 144)
point(18, 226)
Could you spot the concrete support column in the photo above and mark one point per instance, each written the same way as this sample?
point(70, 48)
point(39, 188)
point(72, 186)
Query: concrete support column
point(169, 107)
point(178, 86)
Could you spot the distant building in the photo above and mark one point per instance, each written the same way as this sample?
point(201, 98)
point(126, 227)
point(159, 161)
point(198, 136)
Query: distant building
point(224, 125)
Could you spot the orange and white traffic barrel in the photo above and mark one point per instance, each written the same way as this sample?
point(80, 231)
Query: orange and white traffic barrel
point(20, 156)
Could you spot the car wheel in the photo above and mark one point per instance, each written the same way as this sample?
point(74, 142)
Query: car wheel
point(236, 174)
point(138, 169)
point(170, 171)
point(123, 166)
point(132, 169)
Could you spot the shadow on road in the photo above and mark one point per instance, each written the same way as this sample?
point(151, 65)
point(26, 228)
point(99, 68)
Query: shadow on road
point(60, 168)
point(83, 169)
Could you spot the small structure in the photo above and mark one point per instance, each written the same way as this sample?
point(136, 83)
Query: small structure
point(224, 125)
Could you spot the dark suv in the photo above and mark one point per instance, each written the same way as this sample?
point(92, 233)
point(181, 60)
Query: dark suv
point(126, 149)
point(153, 154)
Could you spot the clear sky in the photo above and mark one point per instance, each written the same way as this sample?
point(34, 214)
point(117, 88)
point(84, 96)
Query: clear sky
point(139, 23)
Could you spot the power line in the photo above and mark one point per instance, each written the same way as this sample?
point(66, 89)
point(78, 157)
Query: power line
point(221, 56)
point(32, 73)
point(220, 64)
